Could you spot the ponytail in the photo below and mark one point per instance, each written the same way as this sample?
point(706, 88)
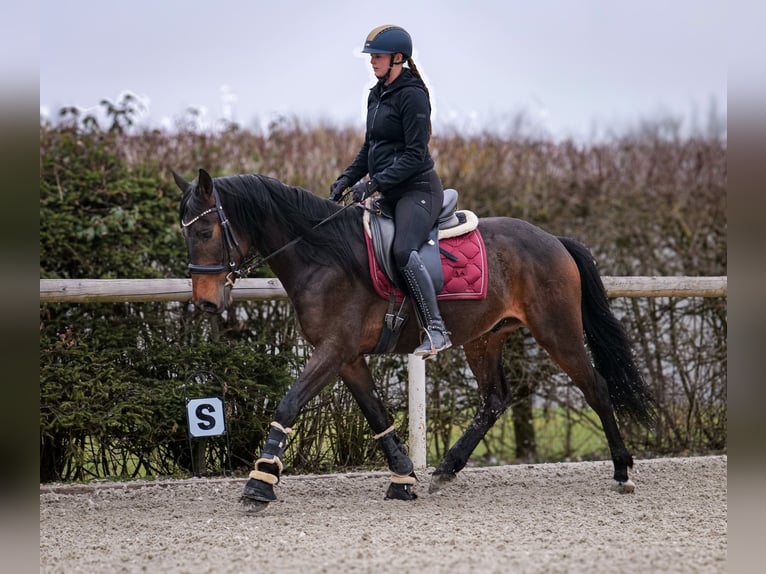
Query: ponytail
point(415, 72)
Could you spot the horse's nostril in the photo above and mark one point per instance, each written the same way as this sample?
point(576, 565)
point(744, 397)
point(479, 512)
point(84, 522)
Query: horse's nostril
point(207, 306)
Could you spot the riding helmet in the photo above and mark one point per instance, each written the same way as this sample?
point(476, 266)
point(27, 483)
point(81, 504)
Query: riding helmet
point(388, 39)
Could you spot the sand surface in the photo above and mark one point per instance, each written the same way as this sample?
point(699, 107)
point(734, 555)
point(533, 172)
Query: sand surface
point(561, 517)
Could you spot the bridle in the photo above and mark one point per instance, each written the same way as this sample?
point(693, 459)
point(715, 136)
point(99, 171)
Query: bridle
point(229, 241)
point(231, 244)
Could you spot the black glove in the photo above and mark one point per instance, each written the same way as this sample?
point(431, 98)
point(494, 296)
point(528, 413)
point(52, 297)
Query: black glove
point(338, 187)
point(363, 190)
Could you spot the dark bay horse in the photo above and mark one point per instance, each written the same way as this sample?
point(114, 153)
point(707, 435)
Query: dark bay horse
point(549, 284)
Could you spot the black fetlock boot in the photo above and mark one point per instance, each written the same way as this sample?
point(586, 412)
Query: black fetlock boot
point(259, 489)
point(422, 291)
point(400, 464)
point(401, 488)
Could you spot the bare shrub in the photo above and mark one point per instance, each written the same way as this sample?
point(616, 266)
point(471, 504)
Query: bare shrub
point(645, 203)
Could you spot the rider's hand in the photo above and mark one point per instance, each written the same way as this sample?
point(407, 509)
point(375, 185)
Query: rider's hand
point(363, 190)
point(338, 187)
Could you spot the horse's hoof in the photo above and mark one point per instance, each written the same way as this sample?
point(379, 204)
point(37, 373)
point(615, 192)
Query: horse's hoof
point(251, 506)
point(259, 491)
point(624, 486)
point(400, 492)
point(440, 480)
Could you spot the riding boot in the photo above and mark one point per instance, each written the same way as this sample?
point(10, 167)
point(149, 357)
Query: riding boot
point(422, 291)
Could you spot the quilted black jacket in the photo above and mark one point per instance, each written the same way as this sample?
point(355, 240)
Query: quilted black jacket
point(395, 147)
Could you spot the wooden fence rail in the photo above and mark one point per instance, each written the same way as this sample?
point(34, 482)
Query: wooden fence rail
point(145, 290)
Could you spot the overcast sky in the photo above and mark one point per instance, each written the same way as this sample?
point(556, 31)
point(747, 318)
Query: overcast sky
point(570, 66)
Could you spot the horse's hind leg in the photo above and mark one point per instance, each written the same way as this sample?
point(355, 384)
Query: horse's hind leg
point(357, 377)
point(484, 356)
point(558, 329)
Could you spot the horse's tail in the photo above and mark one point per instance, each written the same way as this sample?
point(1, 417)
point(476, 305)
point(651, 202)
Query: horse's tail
point(609, 345)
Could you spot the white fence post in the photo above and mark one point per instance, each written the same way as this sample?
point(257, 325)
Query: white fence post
point(416, 368)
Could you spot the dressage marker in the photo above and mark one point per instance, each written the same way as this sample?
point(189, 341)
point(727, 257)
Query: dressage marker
point(206, 417)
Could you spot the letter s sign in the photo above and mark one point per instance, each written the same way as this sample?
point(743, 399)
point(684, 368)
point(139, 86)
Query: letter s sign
point(206, 417)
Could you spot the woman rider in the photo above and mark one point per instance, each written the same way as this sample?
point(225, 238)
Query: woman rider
point(396, 157)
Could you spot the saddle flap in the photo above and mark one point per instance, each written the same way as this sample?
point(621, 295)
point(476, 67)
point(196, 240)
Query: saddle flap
point(465, 278)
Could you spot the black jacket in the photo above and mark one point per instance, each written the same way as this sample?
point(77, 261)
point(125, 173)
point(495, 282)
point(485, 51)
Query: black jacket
point(395, 146)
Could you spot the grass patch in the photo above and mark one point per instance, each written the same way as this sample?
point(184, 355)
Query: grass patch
point(560, 435)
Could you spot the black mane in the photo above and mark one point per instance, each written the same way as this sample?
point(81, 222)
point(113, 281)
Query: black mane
point(249, 200)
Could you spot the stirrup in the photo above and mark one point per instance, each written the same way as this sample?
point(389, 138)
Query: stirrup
point(427, 349)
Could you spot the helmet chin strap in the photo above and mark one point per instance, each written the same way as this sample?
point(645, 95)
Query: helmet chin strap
point(391, 65)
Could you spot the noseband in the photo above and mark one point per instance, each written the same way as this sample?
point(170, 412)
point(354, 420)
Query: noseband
point(229, 241)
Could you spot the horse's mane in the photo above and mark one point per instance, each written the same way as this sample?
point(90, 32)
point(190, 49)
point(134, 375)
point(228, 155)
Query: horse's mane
point(249, 199)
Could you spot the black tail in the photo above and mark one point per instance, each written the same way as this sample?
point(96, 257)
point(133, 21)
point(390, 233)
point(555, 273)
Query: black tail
point(609, 345)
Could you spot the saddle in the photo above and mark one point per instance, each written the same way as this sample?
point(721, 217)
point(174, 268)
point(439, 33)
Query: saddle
point(454, 246)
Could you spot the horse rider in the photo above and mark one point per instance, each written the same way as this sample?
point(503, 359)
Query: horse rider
point(396, 157)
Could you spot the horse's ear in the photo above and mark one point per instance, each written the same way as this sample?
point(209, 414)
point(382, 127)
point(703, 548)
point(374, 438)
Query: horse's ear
point(180, 182)
point(205, 182)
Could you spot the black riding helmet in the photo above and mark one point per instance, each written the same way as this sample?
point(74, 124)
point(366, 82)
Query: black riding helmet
point(388, 39)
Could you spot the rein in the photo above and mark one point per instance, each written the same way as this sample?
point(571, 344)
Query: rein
point(231, 244)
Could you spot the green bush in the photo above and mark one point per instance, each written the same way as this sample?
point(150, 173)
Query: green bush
point(111, 374)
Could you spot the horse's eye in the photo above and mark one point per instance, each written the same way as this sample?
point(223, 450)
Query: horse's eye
point(204, 234)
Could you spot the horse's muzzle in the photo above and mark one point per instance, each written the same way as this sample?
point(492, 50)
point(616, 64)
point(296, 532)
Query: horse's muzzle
point(208, 306)
point(211, 295)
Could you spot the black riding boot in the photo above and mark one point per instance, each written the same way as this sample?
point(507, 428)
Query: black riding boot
point(422, 291)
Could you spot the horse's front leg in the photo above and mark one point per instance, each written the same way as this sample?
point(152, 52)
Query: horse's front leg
point(321, 369)
point(357, 377)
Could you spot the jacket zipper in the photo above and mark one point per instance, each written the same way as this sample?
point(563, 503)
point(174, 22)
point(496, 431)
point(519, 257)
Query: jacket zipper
point(372, 125)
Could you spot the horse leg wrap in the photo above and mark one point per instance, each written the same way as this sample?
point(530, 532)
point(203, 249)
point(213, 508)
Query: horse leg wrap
point(396, 455)
point(267, 475)
point(404, 479)
point(268, 468)
point(270, 461)
point(401, 487)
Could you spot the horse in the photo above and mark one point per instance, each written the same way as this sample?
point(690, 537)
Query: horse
point(316, 248)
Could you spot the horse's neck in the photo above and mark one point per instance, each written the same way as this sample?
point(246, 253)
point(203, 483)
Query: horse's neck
point(282, 243)
point(268, 236)
point(278, 246)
